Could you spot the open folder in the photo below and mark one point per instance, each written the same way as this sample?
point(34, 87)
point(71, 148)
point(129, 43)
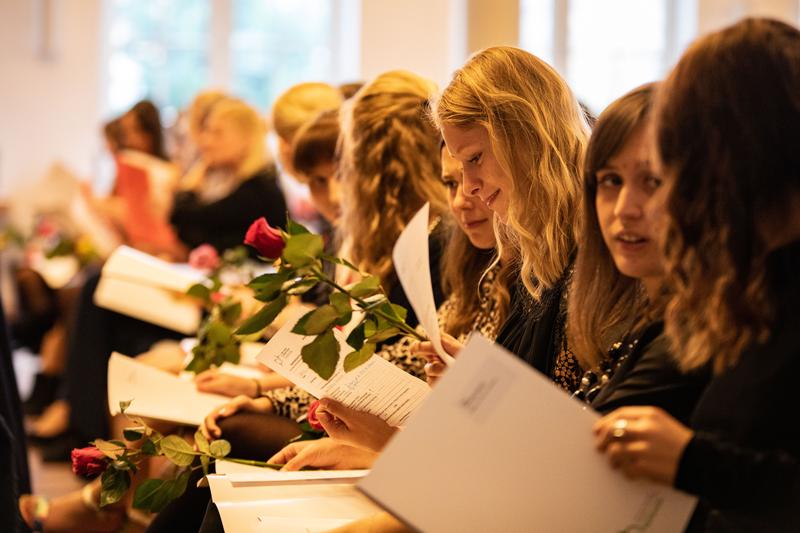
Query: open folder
point(498, 447)
point(141, 286)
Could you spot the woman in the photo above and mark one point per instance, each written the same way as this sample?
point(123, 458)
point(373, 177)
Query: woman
point(520, 135)
point(727, 130)
point(617, 285)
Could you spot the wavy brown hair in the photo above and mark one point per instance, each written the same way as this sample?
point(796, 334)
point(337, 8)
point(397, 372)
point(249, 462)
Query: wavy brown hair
point(728, 136)
point(602, 299)
point(539, 135)
point(390, 166)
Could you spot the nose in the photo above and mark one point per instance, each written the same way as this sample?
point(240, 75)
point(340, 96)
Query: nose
point(471, 183)
point(333, 191)
point(629, 203)
point(462, 201)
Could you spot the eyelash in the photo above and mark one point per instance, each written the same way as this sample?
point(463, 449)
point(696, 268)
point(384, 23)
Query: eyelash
point(475, 159)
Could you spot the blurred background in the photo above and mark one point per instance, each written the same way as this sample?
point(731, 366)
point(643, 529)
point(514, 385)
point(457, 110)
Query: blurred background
point(67, 65)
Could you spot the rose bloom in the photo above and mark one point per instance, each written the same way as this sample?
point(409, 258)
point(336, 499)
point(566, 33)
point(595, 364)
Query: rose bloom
point(204, 257)
point(313, 421)
point(88, 461)
point(267, 240)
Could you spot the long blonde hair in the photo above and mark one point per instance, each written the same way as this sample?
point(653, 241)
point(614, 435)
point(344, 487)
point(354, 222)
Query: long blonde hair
point(247, 121)
point(300, 103)
point(539, 135)
point(390, 166)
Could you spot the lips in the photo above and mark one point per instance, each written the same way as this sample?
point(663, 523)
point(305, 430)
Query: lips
point(474, 223)
point(631, 242)
point(491, 198)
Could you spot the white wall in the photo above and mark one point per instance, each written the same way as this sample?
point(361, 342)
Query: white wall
point(49, 107)
point(714, 14)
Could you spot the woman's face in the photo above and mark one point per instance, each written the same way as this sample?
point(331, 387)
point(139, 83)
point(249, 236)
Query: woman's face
point(324, 187)
point(630, 210)
point(472, 215)
point(483, 178)
point(133, 136)
point(221, 143)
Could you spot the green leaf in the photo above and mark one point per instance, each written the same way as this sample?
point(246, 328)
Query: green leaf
point(302, 286)
point(322, 354)
point(303, 249)
point(198, 290)
point(366, 287)
point(177, 450)
point(230, 353)
point(201, 442)
point(154, 494)
point(149, 448)
point(123, 406)
point(383, 335)
point(264, 317)
point(397, 312)
point(356, 338)
point(341, 302)
point(230, 313)
point(359, 357)
point(204, 462)
point(316, 321)
point(220, 448)
point(293, 228)
point(133, 434)
point(109, 449)
point(219, 333)
point(267, 286)
point(370, 326)
point(113, 486)
point(339, 261)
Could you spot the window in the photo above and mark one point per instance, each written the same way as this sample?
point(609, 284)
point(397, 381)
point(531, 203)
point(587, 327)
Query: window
point(606, 48)
point(168, 50)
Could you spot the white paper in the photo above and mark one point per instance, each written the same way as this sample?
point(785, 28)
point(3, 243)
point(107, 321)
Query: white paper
point(157, 394)
point(412, 265)
point(142, 286)
point(239, 473)
point(511, 452)
point(242, 504)
point(377, 386)
point(282, 524)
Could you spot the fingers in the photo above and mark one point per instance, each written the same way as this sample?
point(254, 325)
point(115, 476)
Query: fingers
point(285, 455)
point(423, 348)
point(333, 426)
point(450, 344)
point(337, 409)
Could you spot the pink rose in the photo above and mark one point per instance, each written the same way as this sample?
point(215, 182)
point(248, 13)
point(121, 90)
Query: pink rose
point(217, 297)
point(204, 257)
point(313, 421)
point(88, 461)
point(267, 240)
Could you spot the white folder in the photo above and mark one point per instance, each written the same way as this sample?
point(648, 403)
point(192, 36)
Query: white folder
point(498, 447)
point(141, 286)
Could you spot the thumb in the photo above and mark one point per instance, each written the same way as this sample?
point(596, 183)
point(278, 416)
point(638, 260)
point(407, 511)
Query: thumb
point(283, 456)
point(333, 426)
point(331, 406)
point(451, 345)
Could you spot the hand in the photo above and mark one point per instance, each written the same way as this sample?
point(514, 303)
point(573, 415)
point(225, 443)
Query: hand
point(211, 430)
point(436, 368)
point(225, 384)
point(357, 428)
point(325, 454)
point(649, 442)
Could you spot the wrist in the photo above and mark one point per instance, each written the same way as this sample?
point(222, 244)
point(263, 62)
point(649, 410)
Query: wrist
point(258, 391)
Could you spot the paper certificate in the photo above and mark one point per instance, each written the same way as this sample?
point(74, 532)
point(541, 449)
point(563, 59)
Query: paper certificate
point(157, 394)
point(412, 264)
point(377, 386)
point(498, 447)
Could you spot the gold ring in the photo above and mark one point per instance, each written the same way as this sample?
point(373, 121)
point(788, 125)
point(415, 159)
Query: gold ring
point(620, 428)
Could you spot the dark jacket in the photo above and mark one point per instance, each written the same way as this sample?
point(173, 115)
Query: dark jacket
point(744, 460)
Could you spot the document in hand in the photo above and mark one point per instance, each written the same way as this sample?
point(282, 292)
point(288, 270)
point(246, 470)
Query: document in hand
point(498, 447)
point(285, 502)
point(157, 394)
point(145, 287)
point(377, 386)
point(412, 264)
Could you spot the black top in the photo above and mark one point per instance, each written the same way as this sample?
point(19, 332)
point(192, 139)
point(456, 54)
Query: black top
point(535, 332)
point(744, 460)
point(649, 375)
point(223, 223)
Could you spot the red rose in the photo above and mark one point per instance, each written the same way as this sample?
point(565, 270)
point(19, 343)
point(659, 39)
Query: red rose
point(313, 421)
point(88, 461)
point(217, 297)
point(267, 240)
point(204, 257)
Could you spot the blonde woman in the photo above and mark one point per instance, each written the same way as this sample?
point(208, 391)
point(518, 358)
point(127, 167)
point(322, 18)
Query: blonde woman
point(233, 184)
point(520, 135)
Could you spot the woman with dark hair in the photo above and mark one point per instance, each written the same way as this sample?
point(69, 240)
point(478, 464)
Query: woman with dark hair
point(142, 130)
point(617, 284)
point(726, 135)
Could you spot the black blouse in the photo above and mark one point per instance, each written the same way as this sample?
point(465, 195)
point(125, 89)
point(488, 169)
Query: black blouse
point(648, 375)
point(744, 460)
point(223, 223)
